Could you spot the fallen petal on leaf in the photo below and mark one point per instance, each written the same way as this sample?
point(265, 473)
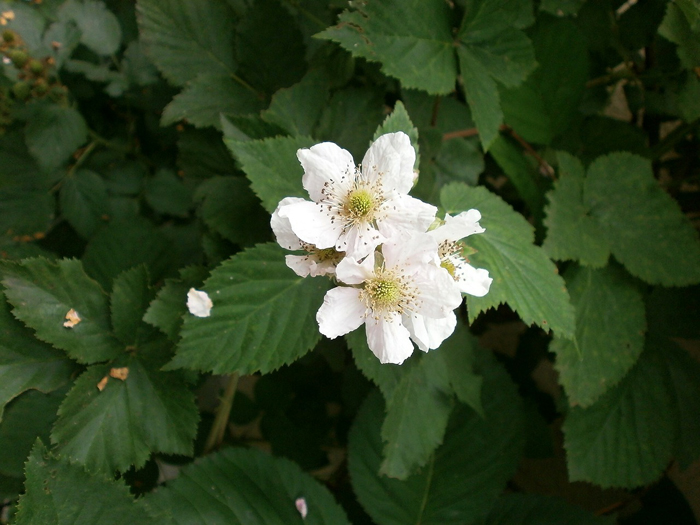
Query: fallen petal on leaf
point(103, 383)
point(72, 318)
point(119, 373)
point(198, 303)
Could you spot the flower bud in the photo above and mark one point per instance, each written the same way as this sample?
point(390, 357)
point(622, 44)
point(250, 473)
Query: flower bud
point(8, 36)
point(41, 87)
point(21, 90)
point(36, 67)
point(19, 58)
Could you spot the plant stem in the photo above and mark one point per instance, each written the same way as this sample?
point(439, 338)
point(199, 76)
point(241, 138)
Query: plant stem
point(669, 142)
point(223, 411)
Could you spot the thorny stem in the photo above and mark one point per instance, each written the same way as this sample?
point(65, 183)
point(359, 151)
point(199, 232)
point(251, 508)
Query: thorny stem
point(223, 411)
point(83, 157)
point(544, 166)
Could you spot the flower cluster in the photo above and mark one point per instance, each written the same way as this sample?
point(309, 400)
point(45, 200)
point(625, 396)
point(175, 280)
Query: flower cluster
point(400, 271)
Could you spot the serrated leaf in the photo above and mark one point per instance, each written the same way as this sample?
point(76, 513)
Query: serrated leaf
point(270, 47)
point(121, 245)
point(459, 160)
point(166, 310)
point(120, 425)
point(84, 201)
point(626, 438)
point(206, 97)
point(543, 106)
point(187, 38)
point(166, 194)
point(60, 493)
point(99, 27)
point(417, 414)
point(458, 353)
point(25, 362)
point(677, 28)
point(385, 376)
point(29, 416)
point(202, 153)
point(231, 209)
point(14, 203)
point(272, 167)
point(246, 487)
point(689, 99)
point(43, 292)
point(53, 133)
point(464, 477)
point(523, 276)
point(264, 316)
point(610, 328)
point(528, 509)
point(643, 226)
point(296, 109)
point(572, 234)
point(350, 119)
point(414, 46)
point(398, 120)
point(129, 300)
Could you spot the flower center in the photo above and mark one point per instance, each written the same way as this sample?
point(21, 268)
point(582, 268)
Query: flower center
point(383, 293)
point(448, 265)
point(328, 254)
point(359, 203)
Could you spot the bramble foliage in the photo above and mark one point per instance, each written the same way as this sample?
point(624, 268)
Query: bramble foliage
point(143, 147)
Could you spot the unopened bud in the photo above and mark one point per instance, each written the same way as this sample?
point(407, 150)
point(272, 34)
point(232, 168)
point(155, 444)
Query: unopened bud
point(21, 90)
point(41, 87)
point(19, 58)
point(8, 36)
point(36, 67)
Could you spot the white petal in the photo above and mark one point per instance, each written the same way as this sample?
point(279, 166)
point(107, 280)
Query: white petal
point(438, 291)
point(312, 223)
point(458, 227)
point(406, 213)
point(342, 312)
point(391, 158)
point(389, 339)
point(474, 281)
point(198, 303)
point(359, 241)
point(323, 163)
point(350, 271)
point(309, 265)
point(408, 249)
point(282, 228)
point(429, 333)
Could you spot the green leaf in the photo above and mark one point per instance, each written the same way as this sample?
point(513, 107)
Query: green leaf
point(643, 226)
point(84, 201)
point(689, 99)
point(272, 167)
point(60, 493)
point(121, 245)
point(459, 160)
point(417, 414)
point(99, 27)
point(482, 96)
point(572, 234)
point(465, 475)
point(626, 438)
point(264, 316)
point(385, 376)
point(677, 28)
point(43, 292)
point(298, 108)
point(528, 509)
point(398, 120)
point(270, 47)
point(206, 97)
point(14, 203)
point(119, 426)
point(544, 105)
point(415, 46)
point(562, 7)
point(166, 194)
point(187, 38)
point(53, 133)
point(26, 362)
point(202, 154)
point(523, 276)
point(130, 298)
point(231, 209)
point(170, 305)
point(610, 328)
point(29, 416)
point(246, 487)
point(350, 119)
point(458, 353)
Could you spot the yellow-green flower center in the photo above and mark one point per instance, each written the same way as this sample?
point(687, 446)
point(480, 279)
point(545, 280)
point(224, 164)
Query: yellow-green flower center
point(450, 267)
point(359, 203)
point(383, 293)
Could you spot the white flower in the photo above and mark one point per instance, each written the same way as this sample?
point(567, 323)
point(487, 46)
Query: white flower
point(470, 280)
point(198, 303)
point(406, 296)
point(355, 209)
point(315, 262)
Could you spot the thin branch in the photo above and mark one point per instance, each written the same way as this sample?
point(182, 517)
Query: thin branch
point(223, 411)
point(545, 168)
